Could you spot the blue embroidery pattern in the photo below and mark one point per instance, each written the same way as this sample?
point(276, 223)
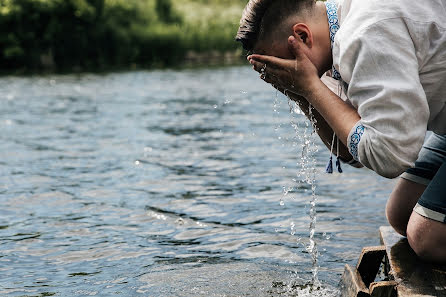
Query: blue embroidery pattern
point(354, 140)
point(333, 23)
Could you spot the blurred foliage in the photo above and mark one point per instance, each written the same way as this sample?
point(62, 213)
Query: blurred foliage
point(98, 34)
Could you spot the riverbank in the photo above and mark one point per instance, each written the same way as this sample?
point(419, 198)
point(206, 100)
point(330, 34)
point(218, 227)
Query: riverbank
point(191, 60)
point(101, 35)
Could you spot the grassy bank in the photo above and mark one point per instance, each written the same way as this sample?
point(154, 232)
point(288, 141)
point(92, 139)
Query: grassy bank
point(64, 35)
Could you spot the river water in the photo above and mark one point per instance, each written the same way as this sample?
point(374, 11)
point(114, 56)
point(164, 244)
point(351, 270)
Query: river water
point(169, 183)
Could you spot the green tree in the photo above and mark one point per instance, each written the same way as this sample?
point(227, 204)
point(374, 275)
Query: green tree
point(165, 12)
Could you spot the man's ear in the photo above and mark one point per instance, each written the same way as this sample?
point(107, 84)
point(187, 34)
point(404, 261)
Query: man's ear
point(302, 31)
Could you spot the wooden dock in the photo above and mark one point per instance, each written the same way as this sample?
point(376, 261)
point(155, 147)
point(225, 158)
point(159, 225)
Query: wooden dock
point(402, 273)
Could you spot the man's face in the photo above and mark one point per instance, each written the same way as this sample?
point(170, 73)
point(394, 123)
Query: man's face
point(279, 48)
point(273, 48)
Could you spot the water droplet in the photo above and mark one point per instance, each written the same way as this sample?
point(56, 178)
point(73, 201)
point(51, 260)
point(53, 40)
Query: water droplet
point(282, 203)
point(293, 228)
point(215, 106)
point(137, 162)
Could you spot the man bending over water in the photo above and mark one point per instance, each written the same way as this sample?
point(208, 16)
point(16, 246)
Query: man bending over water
point(390, 59)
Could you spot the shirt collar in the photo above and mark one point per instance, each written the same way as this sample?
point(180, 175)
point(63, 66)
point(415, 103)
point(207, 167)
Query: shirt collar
point(333, 25)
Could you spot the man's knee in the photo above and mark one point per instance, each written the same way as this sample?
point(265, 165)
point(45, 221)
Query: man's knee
point(401, 202)
point(395, 219)
point(419, 243)
point(427, 238)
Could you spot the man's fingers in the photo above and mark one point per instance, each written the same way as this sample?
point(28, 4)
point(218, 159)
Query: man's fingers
point(277, 74)
point(272, 80)
point(273, 70)
point(258, 66)
point(262, 69)
point(272, 62)
point(270, 75)
point(294, 46)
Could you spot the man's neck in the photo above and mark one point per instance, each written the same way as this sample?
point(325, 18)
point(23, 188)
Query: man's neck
point(324, 34)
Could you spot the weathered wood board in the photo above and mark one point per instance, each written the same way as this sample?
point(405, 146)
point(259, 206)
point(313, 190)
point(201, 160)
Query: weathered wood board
point(415, 278)
point(405, 274)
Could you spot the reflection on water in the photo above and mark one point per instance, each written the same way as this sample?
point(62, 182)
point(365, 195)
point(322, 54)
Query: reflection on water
point(167, 183)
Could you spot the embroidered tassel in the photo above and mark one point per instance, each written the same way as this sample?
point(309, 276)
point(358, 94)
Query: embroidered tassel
point(329, 168)
point(338, 162)
point(338, 165)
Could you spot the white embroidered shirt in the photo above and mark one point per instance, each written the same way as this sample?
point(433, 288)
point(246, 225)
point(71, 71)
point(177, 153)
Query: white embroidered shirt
point(392, 55)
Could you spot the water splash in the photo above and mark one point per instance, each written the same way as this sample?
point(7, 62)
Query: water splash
point(299, 289)
point(306, 176)
point(310, 178)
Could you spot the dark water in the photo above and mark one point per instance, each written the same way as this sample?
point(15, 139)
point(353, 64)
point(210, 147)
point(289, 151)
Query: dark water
point(168, 183)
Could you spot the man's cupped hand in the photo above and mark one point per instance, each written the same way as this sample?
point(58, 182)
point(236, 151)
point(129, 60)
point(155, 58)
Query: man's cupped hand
point(295, 75)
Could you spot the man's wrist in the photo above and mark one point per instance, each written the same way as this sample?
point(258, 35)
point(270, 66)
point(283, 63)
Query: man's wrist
point(311, 89)
point(296, 97)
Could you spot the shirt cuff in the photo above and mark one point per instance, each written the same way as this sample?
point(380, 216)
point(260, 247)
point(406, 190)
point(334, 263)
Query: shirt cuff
point(353, 140)
point(354, 163)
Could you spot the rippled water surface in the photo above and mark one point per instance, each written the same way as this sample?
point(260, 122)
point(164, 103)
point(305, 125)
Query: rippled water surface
point(169, 183)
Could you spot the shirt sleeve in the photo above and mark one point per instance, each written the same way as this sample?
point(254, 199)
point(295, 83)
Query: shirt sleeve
point(381, 68)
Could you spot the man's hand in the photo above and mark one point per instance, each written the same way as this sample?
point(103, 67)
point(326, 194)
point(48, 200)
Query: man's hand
point(300, 77)
point(295, 75)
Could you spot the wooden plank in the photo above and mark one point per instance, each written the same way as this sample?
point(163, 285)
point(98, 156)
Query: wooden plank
point(369, 263)
point(414, 277)
point(352, 284)
point(383, 289)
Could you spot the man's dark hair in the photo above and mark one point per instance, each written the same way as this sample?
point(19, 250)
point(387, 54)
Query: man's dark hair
point(260, 18)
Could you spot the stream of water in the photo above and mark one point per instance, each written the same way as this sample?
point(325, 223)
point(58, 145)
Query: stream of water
point(172, 183)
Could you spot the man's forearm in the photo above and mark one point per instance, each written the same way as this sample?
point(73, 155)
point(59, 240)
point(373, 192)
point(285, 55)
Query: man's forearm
point(324, 130)
point(340, 116)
